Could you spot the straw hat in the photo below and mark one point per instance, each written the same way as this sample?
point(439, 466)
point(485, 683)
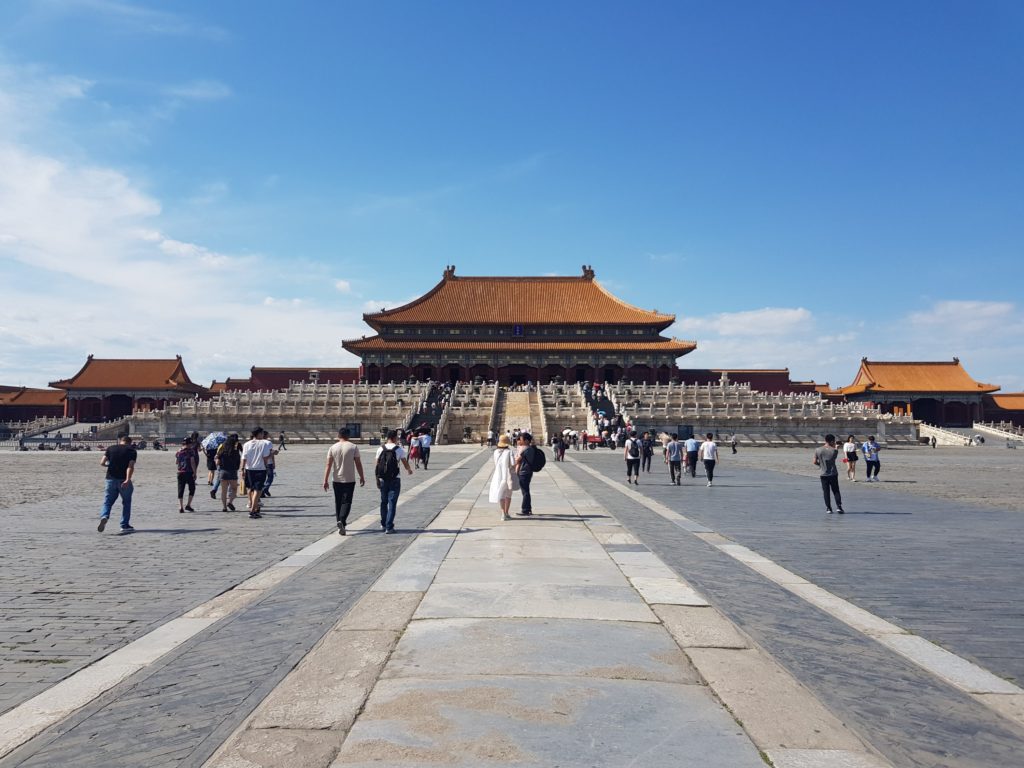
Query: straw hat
point(503, 441)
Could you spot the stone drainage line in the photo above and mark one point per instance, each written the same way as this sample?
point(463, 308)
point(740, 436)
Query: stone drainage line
point(31, 717)
point(1002, 696)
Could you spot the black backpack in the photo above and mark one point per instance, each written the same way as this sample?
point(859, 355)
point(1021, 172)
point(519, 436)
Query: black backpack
point(634, 448)
point(387, 465)
point(535, 457)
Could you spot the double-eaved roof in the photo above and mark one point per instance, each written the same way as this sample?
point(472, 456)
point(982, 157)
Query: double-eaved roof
point(884, 377)
point(166, 375)
point(558, 300)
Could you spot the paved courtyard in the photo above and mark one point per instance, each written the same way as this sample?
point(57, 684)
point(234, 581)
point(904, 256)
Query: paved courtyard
point(650, 625)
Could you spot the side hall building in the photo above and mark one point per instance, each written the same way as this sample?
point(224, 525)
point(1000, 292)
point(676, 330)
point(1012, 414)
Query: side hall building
point(518, 329)
point(113, 388)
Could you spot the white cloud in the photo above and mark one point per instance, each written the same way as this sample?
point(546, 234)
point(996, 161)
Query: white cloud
point(131, 18)
point(199, 90)
point(343, 286)
point(769, 321)
point(89, 267)
point(967, 317)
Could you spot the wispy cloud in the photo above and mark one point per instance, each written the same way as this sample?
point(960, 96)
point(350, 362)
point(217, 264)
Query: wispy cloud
point(132, 18)
point(343, 286)
point(199, 90)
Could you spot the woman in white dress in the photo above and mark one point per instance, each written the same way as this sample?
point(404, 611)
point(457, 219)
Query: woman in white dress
point(503, 481)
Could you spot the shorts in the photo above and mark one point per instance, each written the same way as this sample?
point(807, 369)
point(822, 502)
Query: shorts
point(228, 474)
point(211, 463)
point(851, 458)
point(186, 480)
point(255, 479)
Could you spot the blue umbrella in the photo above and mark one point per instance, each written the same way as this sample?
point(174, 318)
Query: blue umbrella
point(213, 440)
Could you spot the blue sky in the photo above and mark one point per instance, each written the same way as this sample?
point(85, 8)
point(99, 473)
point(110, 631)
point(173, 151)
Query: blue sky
point(801, 183)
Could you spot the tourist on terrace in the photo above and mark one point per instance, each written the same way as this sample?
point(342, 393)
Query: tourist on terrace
point(524, 469)
point(187, 463)
point(425, 441)
point(647, 450)
point(389, 482)
point(229, 461)
point(870, 450)
point(120, 463)
point(825, 458)
point(674, 458)
point(709, 455)
point(343, 463)
point(504, 480)
point(271, 466)
point(414, 449)
point(254, 464)
point(632, 453)
point(692, 446)
point(850, 452)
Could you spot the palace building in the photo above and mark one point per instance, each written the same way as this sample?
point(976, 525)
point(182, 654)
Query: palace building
point(519, 329)
point(111, 389)
point(940, 393)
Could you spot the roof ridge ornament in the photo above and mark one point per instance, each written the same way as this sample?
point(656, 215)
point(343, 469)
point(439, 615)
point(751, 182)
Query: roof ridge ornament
point(449, 271)
point(588, 272)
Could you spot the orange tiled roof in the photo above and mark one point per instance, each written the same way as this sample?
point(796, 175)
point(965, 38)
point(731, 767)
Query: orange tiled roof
point(130, 374)
point(302, 368)
point(376, 344)
point(883, 377)
point(30, 396)
point(218, 386)
point(1009, 401)
point(511, 300)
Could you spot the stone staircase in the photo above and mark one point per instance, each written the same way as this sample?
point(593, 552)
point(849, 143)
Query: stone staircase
point(517, 412)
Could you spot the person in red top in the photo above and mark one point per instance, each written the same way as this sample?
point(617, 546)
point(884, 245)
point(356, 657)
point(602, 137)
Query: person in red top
point(187, 462)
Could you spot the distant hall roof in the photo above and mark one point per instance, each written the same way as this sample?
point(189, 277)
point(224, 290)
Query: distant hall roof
point(510, 300)
point(884, 377)
point(131, 374)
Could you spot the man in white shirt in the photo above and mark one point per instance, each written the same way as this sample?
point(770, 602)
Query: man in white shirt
point(388, 481)
point(709, 455)
point(254, 465)
point(425, 442)
point(343, 463)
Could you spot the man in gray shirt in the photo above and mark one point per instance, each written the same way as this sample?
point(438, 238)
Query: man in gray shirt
point(825, 459)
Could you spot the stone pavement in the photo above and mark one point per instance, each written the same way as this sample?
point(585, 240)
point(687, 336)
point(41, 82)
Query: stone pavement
point(607, 630)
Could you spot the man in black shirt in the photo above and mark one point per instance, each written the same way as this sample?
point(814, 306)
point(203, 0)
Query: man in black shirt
point(120, 463)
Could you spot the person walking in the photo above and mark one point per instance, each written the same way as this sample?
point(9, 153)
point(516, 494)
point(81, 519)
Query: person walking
point(692, 449)
point(211, 467)
point(120, 463)
point(414, 449)
point(281, 446)
point(254, 466)
point(229, 461)
point(389, 482)
point(525, 467)
point(186, 462)
point(850, 454)
point(825, 459)
point(271, 463)
point(673, 453)
point(632, 452)
point(709, 455)
point(870, 450)
point(343, 463)
point(504, 479)
point(425, 441)
point(646, 452)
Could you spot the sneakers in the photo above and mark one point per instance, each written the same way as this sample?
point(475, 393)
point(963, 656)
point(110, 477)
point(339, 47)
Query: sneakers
point(181, 510)
point(102, 525)
point(255, 515)
point(188, 508)
point(840, 511)
point(828, 511)
point(231, 506)
point(709, 483)
point(389, 530)
point(225, 509)
point(213, 494)
point(126, 529)
point(506, 516)
point(266, 495)
point(341, 529)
